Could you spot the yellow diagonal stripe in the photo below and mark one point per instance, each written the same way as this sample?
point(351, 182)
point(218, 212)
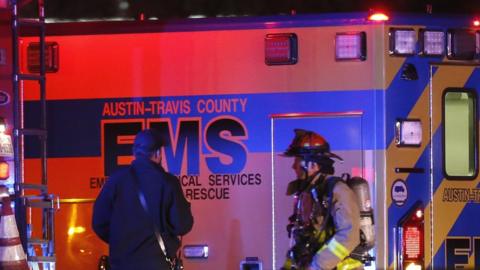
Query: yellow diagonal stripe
point(446, 213)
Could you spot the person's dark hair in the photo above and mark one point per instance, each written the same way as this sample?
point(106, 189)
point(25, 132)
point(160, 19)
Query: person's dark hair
point(147, 142)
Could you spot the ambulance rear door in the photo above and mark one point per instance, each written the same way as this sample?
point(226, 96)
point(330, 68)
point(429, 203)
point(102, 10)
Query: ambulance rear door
point(454, 175)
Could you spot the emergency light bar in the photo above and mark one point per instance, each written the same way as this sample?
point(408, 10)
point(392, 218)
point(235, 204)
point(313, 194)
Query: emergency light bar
point(461, 44)
point(402, 41)
point(281, 49)
point(432, 42)
point(350, 46)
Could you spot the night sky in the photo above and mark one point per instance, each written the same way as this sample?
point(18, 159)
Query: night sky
point(166, 9)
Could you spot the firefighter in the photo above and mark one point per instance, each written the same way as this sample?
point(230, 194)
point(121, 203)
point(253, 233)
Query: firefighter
point(324, 228)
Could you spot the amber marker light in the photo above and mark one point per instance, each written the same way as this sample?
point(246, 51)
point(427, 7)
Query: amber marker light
point(4, 170)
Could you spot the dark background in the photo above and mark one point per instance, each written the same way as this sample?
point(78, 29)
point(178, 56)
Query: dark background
point(165, 9)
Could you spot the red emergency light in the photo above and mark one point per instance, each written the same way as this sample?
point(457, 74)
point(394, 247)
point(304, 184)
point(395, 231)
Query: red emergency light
point(281, 49)
point(51, 57)
point(3, 3)
point(412, 243)
point(378, 17)
point(476, 22)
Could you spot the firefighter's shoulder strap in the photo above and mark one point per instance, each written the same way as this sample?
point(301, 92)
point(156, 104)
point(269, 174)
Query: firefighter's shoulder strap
point(143, 202)
point(331, 182)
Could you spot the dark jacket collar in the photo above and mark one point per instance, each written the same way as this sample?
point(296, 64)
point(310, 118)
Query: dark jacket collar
point(143, 163)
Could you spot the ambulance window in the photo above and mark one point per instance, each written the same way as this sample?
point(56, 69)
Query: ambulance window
point(460, 134)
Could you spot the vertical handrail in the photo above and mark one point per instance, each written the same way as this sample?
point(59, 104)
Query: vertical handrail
point(19, 133)
point(20, 209)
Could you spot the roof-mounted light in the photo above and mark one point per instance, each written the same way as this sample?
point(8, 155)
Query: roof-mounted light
point(476, 22)
point(378, 17)
point(432, 42)
point(350, 46)
point(461, 44)
point(402, 41)
point(281, 49)
point(51, 57)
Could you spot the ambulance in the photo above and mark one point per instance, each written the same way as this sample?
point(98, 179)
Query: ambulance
point(395, 96)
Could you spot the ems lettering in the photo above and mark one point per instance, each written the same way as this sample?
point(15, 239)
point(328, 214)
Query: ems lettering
point(185, 141)
point(189, 180)
point(117, 143)
point(218, 193)
point(97, 182)
point(220, 186)
point(224, 138)
point(459, 249)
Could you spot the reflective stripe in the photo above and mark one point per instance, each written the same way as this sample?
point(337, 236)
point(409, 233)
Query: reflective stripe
point(338, 249)
point(287, 264)
point(349, 264)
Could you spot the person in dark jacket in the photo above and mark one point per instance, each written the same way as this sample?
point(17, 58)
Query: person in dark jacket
point(120, 220)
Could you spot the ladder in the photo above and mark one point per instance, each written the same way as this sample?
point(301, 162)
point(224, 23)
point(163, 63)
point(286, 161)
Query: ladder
point(30, 196)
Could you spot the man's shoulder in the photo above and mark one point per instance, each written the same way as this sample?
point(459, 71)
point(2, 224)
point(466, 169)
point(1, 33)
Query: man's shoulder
point(169, 177)
point(119, 175)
